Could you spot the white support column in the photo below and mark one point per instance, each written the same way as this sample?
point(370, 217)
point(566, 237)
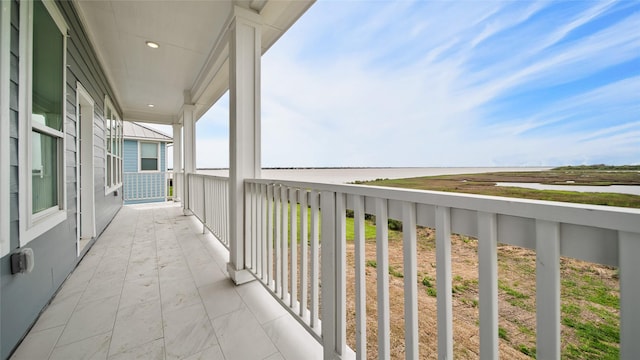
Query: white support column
point(189, 123)
point(244, 128)
point(177, 162)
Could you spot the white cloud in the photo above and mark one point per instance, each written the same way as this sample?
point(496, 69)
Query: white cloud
point(417, 84)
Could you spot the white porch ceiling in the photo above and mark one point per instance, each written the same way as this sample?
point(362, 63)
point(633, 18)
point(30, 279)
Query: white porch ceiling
point(193, 52)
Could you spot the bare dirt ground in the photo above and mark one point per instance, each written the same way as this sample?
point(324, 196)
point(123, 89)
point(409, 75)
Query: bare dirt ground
point(517, 317)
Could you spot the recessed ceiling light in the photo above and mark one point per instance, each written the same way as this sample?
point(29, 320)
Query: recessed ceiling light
point(153, 45)
point(151, 105)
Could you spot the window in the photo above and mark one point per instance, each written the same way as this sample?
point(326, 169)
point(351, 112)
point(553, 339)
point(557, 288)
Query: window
point(42, 110)
point(113, 144)
point(149, 156)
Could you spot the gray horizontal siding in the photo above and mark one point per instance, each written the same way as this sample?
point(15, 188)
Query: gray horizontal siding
point(24, 296)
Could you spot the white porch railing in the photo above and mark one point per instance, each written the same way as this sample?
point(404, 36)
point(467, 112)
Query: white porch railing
point(209, 202)
point(144, 186)
point(314, 289)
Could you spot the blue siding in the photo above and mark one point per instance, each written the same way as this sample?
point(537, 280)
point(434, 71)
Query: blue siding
point(130, 156)
point(163, 159)
point(143, 187)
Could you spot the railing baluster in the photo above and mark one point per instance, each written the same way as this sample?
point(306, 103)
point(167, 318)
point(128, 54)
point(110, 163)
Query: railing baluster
point(304, 258)
point(443, 282)
point(409, 239)
point(247, 227)
point(341, 274)
point(285, 243)
point(315, 259)
point(361, 280)
point(254, 227)
point(328, 258)
point(629, 248)
point(547, 289)
point(226, 212)
point(278, 238)
point(204, 206)
point(270, 207)
point(382, 270)
point(217, 223)
point(260, 231)
point(293, 268)
point(488, 284)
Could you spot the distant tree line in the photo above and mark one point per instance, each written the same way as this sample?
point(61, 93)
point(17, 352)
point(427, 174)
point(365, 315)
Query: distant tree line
point(599, 167)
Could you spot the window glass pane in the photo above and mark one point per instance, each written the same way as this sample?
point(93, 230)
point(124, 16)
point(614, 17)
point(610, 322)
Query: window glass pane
point(44, 161)
point(108, 171)
point(107, 129)
point(120, 139)
point(118, 126)
point(148, 150)
point(113, 136)
point(107, 134)
point(113, 171)
point(148, 164)
point(48, 69)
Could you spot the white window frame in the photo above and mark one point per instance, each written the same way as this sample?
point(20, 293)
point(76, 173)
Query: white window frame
point(110, 185)
point(34, 225)
point(5, 82)
point(159, 169)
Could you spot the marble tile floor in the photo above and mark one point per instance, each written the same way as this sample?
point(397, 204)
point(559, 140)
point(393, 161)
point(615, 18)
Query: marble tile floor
point(154, 287)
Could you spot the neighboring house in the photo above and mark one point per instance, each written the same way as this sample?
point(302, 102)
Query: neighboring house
point(144, 164)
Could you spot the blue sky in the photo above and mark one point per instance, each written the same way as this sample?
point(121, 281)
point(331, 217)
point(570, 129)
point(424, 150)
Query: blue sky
point(448, 83)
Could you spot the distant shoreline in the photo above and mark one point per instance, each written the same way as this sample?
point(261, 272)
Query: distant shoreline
point(343, 175)
point(386, 167)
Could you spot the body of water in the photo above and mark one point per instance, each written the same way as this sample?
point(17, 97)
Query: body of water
point(620, 189)
point(347, 175)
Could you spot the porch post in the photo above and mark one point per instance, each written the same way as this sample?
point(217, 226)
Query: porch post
point(244, 128)
point(189, 123)
point(177, 162)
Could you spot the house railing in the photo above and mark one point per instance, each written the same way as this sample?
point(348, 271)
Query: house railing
point(209, 202)
point(295, 244)
point(140, 187)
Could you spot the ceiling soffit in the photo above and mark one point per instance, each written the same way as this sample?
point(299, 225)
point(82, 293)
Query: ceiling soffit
point(193, 52)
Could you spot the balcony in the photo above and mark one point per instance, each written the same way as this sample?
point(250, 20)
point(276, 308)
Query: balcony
point(286, 222)
point(154, 283)
point(154, 287)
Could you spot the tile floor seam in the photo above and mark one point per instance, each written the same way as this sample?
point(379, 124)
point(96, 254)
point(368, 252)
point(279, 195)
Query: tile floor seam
point(115, 318)
point(77, 341)
point(68, 317)
point(132, 348)
point(202, 303)
point(164, 344)
point(54, 344)
point(164, 338)
point(215, 333)
point(75, 307)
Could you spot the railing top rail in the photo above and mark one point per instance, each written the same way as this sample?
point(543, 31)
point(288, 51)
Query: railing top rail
point(608, 217)
point(223, 178)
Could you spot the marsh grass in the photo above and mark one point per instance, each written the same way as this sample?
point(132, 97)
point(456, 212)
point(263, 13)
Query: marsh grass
point(485, 184)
